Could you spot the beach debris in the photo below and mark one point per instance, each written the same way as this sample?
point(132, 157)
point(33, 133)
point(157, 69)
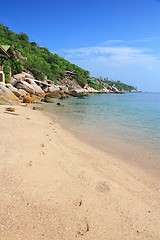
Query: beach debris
point(12, 113)
point(10, 109)
point(24, 104)
point(37, 108)
point(42, 145)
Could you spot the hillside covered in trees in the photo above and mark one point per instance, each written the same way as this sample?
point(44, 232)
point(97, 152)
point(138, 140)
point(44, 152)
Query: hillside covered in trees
point(42, 63)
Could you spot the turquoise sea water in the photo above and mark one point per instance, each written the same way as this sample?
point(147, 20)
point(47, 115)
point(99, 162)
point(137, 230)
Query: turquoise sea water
point(131, 116)
point(126, 126)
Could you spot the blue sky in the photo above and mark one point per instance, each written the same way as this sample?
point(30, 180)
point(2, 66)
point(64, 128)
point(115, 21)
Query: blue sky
point(110, 38)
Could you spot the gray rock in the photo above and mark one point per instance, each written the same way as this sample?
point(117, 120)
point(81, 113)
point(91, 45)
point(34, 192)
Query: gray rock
point(29, 86)
point(53, 88)
point(38, 90)
point(14, 90)
point(7, 93)
point(19, 84)
point(19, 76)
point(23, 75)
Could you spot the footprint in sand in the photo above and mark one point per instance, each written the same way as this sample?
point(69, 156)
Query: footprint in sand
point(102, 187)
point(83, 228)
point(78, 202)
point(29, 164)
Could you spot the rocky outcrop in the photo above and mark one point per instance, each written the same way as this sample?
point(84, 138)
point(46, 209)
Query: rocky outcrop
point(25, 88)
point(75, 93)
point(5, 101)
point(37, 90)
point(29, 86)
point(22, 92)
point(6, 93)
point(22, 76)
point(53, 88)
point(55, 94)
point(19, 84)
point(13, 90)
point(31, 99)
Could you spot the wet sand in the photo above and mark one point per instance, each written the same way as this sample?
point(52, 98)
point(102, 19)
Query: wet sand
point(138, 153)
point(56, 186)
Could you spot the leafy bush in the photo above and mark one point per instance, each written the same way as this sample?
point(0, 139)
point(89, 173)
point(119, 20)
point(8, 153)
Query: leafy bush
point(37, 59)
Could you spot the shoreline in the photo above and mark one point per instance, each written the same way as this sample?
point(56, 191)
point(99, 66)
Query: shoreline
point(132, 152)
point(55, 186)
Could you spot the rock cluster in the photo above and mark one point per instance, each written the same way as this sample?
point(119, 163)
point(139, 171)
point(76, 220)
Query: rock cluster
point(25, 88)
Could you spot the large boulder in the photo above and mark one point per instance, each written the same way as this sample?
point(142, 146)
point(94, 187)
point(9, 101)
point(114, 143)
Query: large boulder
point(105, 90)
point(53, 88)
point(38, 90)
point(75, 93)
point(19, 76)
point(31, 99)
point(5, 101)
point(7, 93)
point(55, 94)
point(29, 75)
point(23, 75)
point(19, 84)
point(29, 86)
point(13, 90)
point(22, 92)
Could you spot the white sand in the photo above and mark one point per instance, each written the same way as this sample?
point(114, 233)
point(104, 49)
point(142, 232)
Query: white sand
point(54, 186)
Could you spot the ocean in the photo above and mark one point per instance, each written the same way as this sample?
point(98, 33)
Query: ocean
point(125, 122)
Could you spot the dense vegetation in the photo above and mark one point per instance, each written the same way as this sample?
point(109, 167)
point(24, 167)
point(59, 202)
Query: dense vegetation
point(117, 84)
point(37, 59)
point(41, 62)
point(121, 86)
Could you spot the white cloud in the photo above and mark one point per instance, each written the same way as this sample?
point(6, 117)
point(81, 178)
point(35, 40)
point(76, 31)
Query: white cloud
point(120, 41)
point(136, 66)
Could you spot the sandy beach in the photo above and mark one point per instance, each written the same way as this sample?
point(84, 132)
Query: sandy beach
point(54, 186)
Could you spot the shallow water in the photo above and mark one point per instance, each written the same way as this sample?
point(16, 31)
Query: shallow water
point(133, 116)
point(124, 124)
